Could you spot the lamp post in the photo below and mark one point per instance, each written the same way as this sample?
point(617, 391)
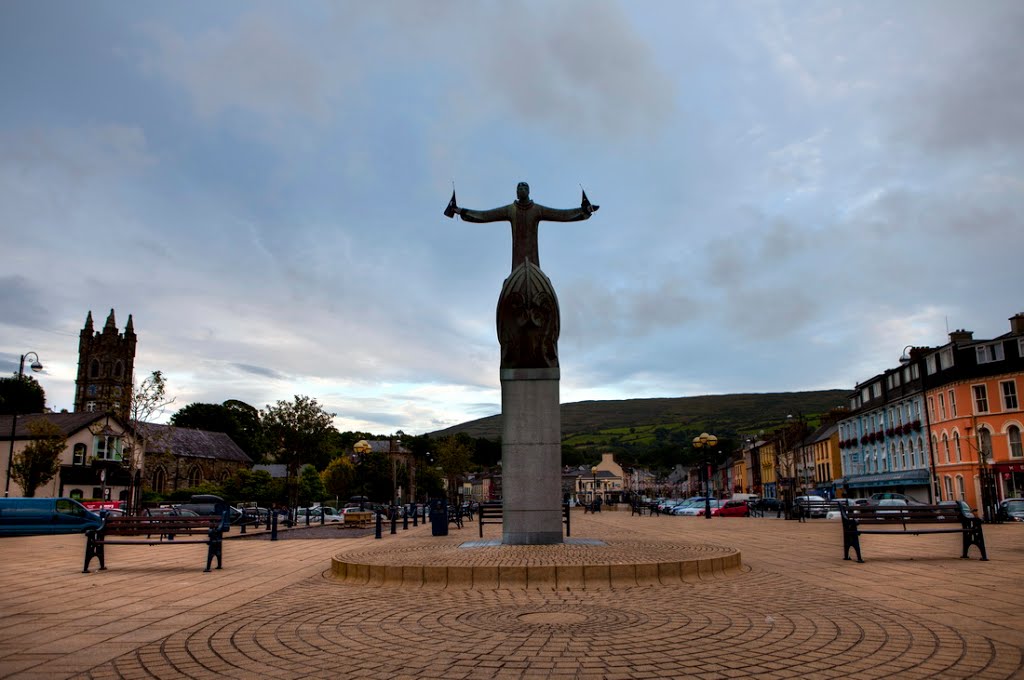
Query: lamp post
point(704, 443)
point(593, 487)
point(36, 367)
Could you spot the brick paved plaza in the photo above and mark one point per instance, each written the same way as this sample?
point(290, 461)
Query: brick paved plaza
point(793, 609)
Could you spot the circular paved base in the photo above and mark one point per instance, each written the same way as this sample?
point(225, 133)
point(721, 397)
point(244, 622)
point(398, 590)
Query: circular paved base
point(573, 565)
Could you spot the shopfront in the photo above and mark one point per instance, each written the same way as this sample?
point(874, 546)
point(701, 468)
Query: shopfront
point(1011, 479)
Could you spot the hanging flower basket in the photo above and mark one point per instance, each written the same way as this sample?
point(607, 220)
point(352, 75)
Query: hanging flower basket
point(864, 439)
point(890, 432)
point(917, 426)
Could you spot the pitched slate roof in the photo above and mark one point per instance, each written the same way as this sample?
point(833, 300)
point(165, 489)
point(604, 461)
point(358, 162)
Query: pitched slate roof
point(69, 423)
point(189, 443)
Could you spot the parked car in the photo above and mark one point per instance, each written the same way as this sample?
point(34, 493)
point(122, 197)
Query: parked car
point(735, 508)
point(685, 505)
point(697, 510)
point(768, 505)
point(35, 516)
point(819, 503)
point(907, 500)
point(1012, 510)
point(963, 506)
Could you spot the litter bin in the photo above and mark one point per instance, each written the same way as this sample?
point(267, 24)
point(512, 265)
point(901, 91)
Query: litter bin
point(438, 518)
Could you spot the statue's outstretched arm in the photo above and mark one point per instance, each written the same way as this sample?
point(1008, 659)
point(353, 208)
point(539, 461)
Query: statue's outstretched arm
point(564, 215)
point(493, 215)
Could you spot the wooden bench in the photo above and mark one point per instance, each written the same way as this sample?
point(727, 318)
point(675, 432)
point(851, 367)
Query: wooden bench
point(806, 509)
point(906, 519)
point(493, 513)
point(642, 509)
point(147, 530)
point(358, 519)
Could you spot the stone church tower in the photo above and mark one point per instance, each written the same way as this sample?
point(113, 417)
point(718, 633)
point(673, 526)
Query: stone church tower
point(106, 367)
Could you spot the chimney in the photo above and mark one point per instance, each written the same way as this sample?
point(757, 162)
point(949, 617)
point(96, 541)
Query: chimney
point(1017, 324)
point(960, 335)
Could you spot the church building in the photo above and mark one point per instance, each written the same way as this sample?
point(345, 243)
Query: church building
point(106, 366)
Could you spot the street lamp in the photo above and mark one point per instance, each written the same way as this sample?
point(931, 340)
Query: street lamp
point(36, 367)
point(593, 487)
point(704, 443)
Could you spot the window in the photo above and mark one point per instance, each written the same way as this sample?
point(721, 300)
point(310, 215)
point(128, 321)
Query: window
point(946, 358)
point(945, 446)
point(903, 456)
point(952, 404)
point(94, 368)
point(985, 443)
point(1009, 389)
point(913, 455)
point(90, 406)
point(931, 408)
point(76, 494)
point(159, 480)
point(865, 395)
point(876, 389)
point(195, 476)
point(942, 406)
point(931, 364)
point(118, 369)
point(107, 448)
point(980, 398)
point(1013, 437)
point(989, 353)
point(960, 488)
point(78, 455)
point(956, 445)
point(949, 488)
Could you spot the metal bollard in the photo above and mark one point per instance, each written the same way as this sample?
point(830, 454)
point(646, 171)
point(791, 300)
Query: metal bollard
point(307, 517)
point(380, 521)
point(394, 518)
point(322, 515)
point(415, 515)
point(273, 526)
point(405, 519)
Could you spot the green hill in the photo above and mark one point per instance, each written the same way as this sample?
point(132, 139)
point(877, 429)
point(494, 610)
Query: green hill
point(628, 422)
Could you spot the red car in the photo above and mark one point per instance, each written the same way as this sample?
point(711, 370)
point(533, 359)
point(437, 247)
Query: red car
point(732, 509)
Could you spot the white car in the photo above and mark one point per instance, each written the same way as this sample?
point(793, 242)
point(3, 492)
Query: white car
point(697, 509)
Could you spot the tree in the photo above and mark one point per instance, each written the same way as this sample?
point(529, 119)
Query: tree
point(339, 478)
point(454, 457)
point(298, 432)
point(21, 396)
point(311, 487)
point(39, 461)
point(235, 418)
point(147, 401)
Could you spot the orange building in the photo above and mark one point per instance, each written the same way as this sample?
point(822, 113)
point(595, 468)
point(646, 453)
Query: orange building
point(975, 421)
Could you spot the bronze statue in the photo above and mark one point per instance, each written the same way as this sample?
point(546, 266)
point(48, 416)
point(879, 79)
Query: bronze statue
point(527, 314)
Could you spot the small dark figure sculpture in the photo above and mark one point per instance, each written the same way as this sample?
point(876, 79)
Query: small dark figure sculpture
point(527, 314)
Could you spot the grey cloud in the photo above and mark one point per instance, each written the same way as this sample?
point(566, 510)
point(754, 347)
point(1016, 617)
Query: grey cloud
point(260, 371)
point(973, 94)
point(21, 302)
point(579, 67)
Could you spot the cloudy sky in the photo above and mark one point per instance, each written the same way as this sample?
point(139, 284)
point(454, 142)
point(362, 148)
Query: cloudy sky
point(790, 192)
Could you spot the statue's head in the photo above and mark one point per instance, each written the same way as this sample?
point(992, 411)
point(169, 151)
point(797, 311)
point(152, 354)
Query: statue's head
point(523, 191)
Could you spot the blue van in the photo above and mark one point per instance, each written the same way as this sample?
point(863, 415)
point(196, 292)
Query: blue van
point(34, 516)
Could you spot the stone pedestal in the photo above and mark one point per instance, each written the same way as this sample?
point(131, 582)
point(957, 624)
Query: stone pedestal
point(531, 456)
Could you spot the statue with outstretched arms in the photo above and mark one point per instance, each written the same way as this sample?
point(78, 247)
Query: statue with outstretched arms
point(527, 315)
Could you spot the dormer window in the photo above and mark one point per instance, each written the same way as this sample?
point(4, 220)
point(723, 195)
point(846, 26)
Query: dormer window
point(989, 353)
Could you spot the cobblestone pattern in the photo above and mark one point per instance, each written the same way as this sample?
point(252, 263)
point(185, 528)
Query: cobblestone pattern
point(716, 630)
